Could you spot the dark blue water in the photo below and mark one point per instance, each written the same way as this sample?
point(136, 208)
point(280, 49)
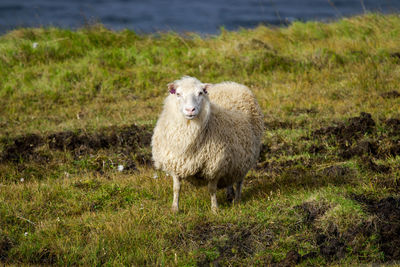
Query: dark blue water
point(205, 16)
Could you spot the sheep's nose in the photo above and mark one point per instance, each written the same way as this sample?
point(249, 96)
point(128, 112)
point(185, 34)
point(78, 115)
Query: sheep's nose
point(190, 109)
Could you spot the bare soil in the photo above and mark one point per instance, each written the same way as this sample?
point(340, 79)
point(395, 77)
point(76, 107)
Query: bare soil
point(387, 211)
point(125, 140)
point(332, 244)
point(344, 132)
point(390, 94)
point(5, 246)
point(357, 137)
point(231, 241)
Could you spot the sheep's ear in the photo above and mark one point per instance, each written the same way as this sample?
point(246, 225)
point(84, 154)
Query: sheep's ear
point(206, 86)
point(171, 88)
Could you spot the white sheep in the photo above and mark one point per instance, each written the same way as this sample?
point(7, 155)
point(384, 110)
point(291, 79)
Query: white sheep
point(208, 134)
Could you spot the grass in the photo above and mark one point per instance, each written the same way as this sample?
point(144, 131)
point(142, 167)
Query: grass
point(76, 104)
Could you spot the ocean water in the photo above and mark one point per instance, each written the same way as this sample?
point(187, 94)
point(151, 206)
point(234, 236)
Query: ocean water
point(205, 16)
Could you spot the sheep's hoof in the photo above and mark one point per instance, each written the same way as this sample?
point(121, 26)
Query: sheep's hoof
point(175, 209)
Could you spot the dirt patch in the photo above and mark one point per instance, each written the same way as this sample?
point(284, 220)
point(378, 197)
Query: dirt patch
point(224, 243)
point(387, 211)
point(332, 244)
point(387, 182)
point(45, 256)
point(394, 149)
point(380, 147)
point(364, 147)
point(390, 94)
point(336, 171)
point(395, 55)
point(125, 140)
point(142, 158)
point(312, 210)
point(369, 164)
point(263, 151)
point(354, 128)
point(393, 124)
point(350, 140)
point(293, 258)
point(316, 149)
point(5, 246)
point(21, 147)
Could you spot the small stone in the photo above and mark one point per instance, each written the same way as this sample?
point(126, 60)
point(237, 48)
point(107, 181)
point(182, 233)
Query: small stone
point(35, 45)
point(22, 180)
point(120, 168)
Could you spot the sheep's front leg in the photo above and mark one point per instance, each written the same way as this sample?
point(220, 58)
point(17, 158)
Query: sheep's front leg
point(177, 189)
point(238, 191)
point(212, 188)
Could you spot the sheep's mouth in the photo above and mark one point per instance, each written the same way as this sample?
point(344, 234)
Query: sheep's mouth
point(190, 117)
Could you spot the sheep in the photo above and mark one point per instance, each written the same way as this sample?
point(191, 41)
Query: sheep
point(208, 134)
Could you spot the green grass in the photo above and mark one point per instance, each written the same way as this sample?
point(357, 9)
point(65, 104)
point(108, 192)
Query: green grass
point(68, 102)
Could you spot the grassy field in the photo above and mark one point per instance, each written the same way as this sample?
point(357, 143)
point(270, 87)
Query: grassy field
point(74, 105)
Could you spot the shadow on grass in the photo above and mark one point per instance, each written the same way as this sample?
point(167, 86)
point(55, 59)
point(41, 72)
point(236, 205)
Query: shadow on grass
point(295, 178)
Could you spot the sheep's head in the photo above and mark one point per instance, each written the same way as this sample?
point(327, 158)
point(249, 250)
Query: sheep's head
point(191, 96)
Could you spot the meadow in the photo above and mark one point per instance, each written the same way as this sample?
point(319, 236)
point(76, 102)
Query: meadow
point(77, 104)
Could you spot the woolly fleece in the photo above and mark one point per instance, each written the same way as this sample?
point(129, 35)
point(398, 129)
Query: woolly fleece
point(221, 144)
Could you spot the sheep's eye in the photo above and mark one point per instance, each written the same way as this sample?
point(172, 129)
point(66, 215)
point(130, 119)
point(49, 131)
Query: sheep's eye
point(200, 93)
point(178, 94)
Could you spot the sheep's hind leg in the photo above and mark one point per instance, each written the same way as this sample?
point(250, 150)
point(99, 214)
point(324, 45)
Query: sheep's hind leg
point(212, 188)
point(177, 188)
point(230, 194)
point(238, 191)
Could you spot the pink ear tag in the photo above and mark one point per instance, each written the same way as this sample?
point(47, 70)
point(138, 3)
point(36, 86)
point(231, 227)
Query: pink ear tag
point(172, 91)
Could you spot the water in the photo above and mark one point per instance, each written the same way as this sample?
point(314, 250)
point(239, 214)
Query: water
point(205, 16)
